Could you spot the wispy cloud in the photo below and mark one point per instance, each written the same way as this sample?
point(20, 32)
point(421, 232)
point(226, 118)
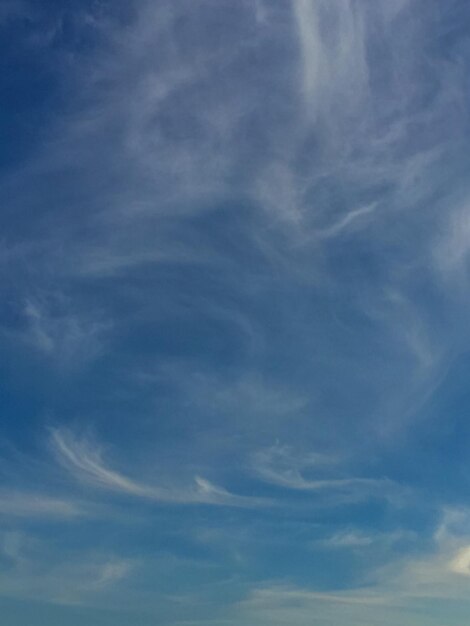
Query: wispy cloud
point(460, 564)
point(283, 467)
point(239, 223)
point(84, 460)
point(280, 595)
point(60, 333)
point(337, 52)
point(397, 591)
point(346, 220)
point(280, 604)
point(38, 505)
point(357, 539)
point(38, 572)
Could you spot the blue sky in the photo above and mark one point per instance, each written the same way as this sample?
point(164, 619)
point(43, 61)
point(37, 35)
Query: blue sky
point(235, 245)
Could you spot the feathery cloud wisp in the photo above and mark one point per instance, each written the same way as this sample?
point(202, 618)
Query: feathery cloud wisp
point(84, 460)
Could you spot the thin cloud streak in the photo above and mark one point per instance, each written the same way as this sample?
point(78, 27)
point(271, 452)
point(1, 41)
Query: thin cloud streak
point(30, 504)
point(282, 467)
point(85, 462)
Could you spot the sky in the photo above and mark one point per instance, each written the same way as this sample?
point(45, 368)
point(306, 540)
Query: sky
point(235, 279)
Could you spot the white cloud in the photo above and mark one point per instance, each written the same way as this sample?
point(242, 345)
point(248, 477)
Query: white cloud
point(451, 247)
point(84, 460)
point(283, 604)
point(356, 539)
point(349, 539)
point(332, 43)
point(53, 328)
point(433, 584)
point(460, 564)
point(346, 220)
point(279, 595)
point(247, 396)
point(39, 573)
point(284, 467)
point(30, 504)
